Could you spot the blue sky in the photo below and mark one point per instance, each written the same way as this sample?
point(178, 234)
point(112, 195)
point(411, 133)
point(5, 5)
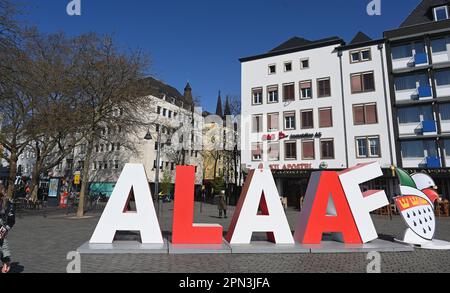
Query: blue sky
point(200, 41)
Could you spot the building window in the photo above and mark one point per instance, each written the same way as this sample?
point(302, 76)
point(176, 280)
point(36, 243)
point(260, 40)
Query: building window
point(289, 121)
point(441, 13)
point(308, 152)
point(257, 151)
point(325, 117)
point(274, 151)
point(355, 57)
point(403, 51)
point(305, 90)
point(257, 96)
point(290, 150)
point(418, 149)
point(368, 147)
point(324, 87)
point(360, 56)
point(365, 114)
point(289, 92)
point(327, 149)
point(164, 112)
point(362, 82)
point(439, 45)
point(272, 122)
point(95, 166)
point(272, 69)
point(442, 78)
point(444, 109)
point(407, 50)
point(272, 94)
point(304, 63)
point(411, 81)
point(257, 124)
point(307, 119)
point(415, 114)
point(287, 66)
point(170, 114)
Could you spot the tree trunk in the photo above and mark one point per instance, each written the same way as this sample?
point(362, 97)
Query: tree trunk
point(215, 168)
point(12, 174)
point(35, 182)
point(85, 177)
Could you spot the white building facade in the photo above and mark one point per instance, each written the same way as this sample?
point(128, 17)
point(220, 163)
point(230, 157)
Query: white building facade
point(321, 105)
point(170, 113)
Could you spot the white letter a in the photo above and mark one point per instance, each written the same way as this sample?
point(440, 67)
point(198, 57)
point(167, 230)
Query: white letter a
point(116, 216)
point(74, 7)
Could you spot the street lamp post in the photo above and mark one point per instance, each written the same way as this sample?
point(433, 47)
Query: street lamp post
point(158, 162)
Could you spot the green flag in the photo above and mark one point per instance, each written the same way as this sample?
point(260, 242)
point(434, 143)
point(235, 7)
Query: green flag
point(405, 179)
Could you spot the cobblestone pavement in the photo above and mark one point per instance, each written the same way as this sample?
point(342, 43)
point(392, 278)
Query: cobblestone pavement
point(40, 243)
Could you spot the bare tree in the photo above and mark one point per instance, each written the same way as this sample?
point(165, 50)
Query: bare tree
point(110, 96)
point(54, 115)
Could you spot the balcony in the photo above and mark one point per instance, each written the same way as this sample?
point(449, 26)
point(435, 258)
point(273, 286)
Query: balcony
point(423, 92)
point(420, 59)
point(428, 126)
point(420, 129)
point(443, 91)
point(433, 162)
point(441, 56)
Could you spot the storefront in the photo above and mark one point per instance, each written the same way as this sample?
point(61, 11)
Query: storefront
point(293, 183)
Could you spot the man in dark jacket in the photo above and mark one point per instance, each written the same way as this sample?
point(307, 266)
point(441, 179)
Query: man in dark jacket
point(7, 221)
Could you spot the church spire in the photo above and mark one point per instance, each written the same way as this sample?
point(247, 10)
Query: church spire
point(227, 107)
point(188, 94)
point(219, 111)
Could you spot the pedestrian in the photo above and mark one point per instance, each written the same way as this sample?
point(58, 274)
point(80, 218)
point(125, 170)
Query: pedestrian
point(203, 193)
point(7, 221)
point(222, 205)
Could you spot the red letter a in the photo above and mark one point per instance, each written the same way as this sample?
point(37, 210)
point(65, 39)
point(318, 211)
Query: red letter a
point(184, 231)
point(319, 215)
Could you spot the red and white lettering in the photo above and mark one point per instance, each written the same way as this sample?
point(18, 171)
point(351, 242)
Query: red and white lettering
point(326, 210)
point(259, 191)
point(183, 230)
point(117, 217)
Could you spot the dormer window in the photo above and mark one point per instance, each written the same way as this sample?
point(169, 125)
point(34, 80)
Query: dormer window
point(441, 13)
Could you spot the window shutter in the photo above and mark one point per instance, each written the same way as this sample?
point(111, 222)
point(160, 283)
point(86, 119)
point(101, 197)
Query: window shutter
point(325, 118)
point(308, 149)
point(371, 114)
point(358, 115)
point(356, 83)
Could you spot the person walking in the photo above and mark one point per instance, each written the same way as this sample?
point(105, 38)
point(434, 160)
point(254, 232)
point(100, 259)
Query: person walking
point(222, 205)
point(7, 221)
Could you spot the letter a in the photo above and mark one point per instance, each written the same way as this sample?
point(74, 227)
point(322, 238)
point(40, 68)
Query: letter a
point(74, 8)
point(259, 188)
point(184, 231)
point(116, 216)
point(325, 211)
point(374, 8)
